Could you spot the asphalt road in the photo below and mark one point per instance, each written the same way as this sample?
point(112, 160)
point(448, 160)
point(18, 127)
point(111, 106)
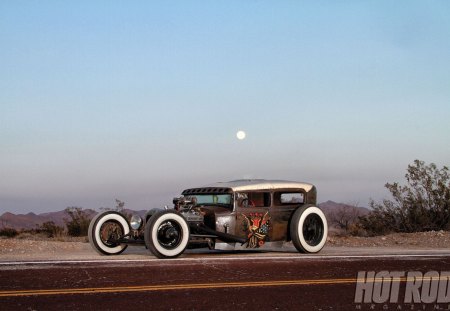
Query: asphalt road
point(225, 281)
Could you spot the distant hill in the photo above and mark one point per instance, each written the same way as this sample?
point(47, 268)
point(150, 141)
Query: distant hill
point(28, 221)
point(340, 216)
point(329, 207)
point(31, 220)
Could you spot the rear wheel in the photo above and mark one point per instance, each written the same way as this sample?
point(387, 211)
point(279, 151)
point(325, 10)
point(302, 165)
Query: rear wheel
point(105, 230)
point(308, 229)
point(166, 234)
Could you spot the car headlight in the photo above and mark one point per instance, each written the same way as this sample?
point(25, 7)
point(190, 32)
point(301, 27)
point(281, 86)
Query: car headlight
point(135, 222)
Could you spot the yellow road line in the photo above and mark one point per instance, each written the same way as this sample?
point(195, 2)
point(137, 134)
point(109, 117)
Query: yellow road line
point(162, 287)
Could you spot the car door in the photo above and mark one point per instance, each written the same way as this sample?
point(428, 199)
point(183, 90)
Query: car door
point(253, 217)
point(284, 203)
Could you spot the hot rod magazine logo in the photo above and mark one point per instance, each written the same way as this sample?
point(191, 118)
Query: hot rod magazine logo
point(401, 290)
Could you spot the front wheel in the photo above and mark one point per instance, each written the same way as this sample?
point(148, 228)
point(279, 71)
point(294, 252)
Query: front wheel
point(308, 229)
point(105, 230)
point(166, 234)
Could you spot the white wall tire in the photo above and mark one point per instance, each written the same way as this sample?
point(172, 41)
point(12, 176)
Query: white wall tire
point(102, 227)
point(309, 229)
point(166, 234)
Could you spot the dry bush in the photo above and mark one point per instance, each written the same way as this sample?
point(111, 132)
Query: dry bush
point(51, 230)
point(345, 216)
point(78, 223)
point(8, 232)
point(423, 204)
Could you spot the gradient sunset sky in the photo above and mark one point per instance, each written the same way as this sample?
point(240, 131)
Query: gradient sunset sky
point(137, 100)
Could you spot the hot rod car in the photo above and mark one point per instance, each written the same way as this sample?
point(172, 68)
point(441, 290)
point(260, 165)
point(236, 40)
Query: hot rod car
point(241, 214)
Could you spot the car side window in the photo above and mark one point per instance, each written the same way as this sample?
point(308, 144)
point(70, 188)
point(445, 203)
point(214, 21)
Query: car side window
point(289, 198)
point(255, 199)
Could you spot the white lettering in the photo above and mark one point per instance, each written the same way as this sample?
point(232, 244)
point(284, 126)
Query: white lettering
point(364, 286)
point(382, 287)
point(422, 291)
point(444, 288)
point(396, 279)
point(430, 283)
point(413, 284)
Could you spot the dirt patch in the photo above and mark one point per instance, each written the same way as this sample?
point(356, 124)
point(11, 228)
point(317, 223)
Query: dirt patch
point(23, 249)
point(425, 240)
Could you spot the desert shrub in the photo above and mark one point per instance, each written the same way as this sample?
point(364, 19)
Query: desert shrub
point(50, 229)
point(345, 216)
point(356, 229)
point(120, 207)
point(8, 232)
point(423, 204)
point(78, 222)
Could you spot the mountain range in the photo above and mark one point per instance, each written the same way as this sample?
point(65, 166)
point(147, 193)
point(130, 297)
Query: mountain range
point(330, 207)
point(32, 221)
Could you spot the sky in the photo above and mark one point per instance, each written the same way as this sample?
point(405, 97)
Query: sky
point(137, 100)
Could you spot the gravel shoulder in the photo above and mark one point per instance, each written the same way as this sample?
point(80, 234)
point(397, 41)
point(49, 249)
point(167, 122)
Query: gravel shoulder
point(29, 248)
point(425, 240)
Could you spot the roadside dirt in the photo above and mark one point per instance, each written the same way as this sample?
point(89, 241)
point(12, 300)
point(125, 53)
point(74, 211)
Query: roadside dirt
point(425, 240)
point(38, 248)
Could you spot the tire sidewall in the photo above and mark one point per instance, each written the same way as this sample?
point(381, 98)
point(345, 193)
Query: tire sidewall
point(296, 229)
point(151, 234)
point(94, 232)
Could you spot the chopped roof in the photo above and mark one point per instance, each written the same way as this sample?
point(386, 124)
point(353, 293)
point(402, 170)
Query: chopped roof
point(260, 184)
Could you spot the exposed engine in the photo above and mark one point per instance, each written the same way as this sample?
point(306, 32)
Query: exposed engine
point(187, 207)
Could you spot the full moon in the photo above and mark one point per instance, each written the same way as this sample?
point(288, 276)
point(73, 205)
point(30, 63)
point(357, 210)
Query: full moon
point(240, 135)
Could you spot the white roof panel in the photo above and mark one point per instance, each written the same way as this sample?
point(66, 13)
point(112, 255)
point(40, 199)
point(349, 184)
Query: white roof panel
point(261, 184)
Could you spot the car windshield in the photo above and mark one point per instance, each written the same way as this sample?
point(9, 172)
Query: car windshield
point(212, 199)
